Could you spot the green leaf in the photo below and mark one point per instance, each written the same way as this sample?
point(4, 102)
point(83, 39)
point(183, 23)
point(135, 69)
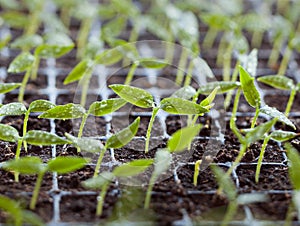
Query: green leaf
point(38, 137)
point(186, 92)
point(109, 57)
point(16, 19)
point(122, 137)
point(278, 81)
point(281, 136)
point(273, 112)
point(132, 168)
point(85, 143)
point(180, 106)
point(210, 98)
point(7, 87)
point(4, 40)
point(21, 63)
point(225, 182)
point(40, 106)
point(134, 95)
point(12, 207)
point(152, 63)
point(67, 111)
point(259, 131)
point(298, 87)
point(250, 92)
point(8, 133)
point(57, 44)
point(182, 138)
point(162, 161)
point(105, 107)
point(99, 181)
point(294, 167)
point(79, 71)
point(66, 164)
point(224, 87)
point(14, 108)
point(25, 165)
point(27, 42)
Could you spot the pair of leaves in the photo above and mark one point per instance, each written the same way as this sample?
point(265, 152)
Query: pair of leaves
point(34, 165)
point(144, 99)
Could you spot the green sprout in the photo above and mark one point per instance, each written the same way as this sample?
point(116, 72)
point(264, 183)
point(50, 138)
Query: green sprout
point(103, 181)
point(232, 195)
point(33, 165)
point(17, 215)
point(172, 105)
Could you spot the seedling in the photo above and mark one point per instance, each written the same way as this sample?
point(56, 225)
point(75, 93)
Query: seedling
point(283, 83)
point(17, 215)
point(16, 108)
point(172, 105)
point(117, 140)
point(33, 165)
point(103, 181)
point(232, 195)
point(179, 141)
point(73, 111)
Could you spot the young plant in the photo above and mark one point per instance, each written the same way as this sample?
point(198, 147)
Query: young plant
point(172, 105)
point(232, 195)
point(283, 83)
point(117, 140)
point(15, 108)
point(103, 180)
point(179, 141)
point(73, 111)
point(31, 165)
point(17, 215)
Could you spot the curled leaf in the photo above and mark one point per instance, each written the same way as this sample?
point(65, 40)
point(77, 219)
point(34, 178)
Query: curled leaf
point(122, 137)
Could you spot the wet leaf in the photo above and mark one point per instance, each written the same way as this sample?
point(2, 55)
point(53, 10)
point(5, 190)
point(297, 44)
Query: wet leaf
point(162, 161)
point(99, 181)
point(14, 108)
point(273, 112)
point(180, 106)
point(281, 136)
point(85, 143)
point(182, 138)
point(38, 137)
point(224, 87)
point(7, 87)
point(25, 165)
point(225, 182)
point(251, 62)
point(134, 95)
point(21, 63)
point(67, 111)
point(79, 71)
point(186, 92)
point(105, 107)
point(132, 168)
point(66, 164)
point(258, 132)
point(294, 167)
point(27, 42)
point(122, 137)
point(40, 106)
point(8, 133)
point(277, 81)
point(152, 63)
point(250, 92)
